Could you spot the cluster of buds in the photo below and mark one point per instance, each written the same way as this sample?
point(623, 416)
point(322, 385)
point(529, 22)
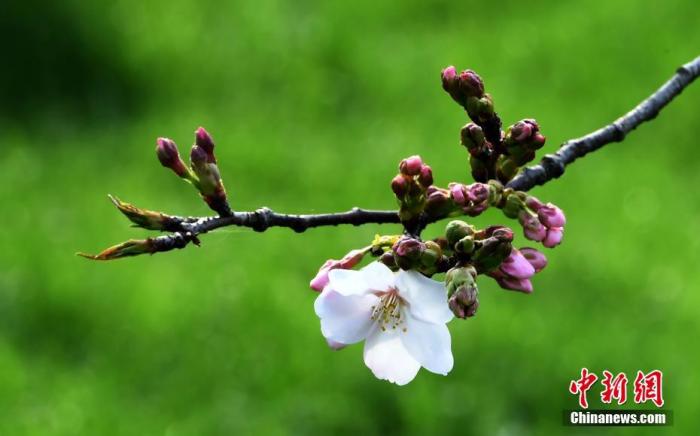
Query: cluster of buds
point(471, 199)
point(203, 172)
point(521, 141)
point(515, 272)
point(467, 89)
point(410, 186)
point(541, 222)
point(493, 154)
point(412, 253)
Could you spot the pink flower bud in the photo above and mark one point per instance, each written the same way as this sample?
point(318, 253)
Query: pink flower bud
point(425, 178)
point(408, 247)
point(351, 259)
point(471, 84)
point(411, 166)
point(502, 233)
point(347, 262)
point(399, 185)
point(198, 156)
point(537, 141)
point(534, 230)
point(449, 78)
point(517, 266)
point(551, 216)
point(204, 140)
point(521, 131)
point(513, 284)
point(458, 193)
point(554, 237)
point(478, 192)
point(537, 259)
point(533, 203)
point(537, 233)
point(169, 156)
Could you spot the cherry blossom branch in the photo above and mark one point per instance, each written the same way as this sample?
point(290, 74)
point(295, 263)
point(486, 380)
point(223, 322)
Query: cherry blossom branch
point(494, 154)
point(552, 165)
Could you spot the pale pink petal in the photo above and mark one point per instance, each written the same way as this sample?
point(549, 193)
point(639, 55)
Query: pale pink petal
point(426, 298)
point(345, 319)
point(387, 357)
point(347, 282)
point(430, 344)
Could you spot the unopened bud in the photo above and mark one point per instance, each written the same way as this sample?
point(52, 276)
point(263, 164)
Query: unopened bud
point(464, 302)
point(146, 219)
point(517, 266)
point(209, 184)
point(537, 259)
point(492, 252)
point(480, 108)
point(425, 177)
point(456, 230)
point(472, 137)
point(411, 166)
point(437, 201)
point(169, 156)
point(431, 254)
point(458, 192)
point(554, 237)
point(399, 185)
point(347, 262)
point(203, 139)
point(388, 259)
point(513, 284)
point(132, 247)
point(551, 216)
point(465, 245)
point(471, 84)
point(408, 247)
point(532, 227)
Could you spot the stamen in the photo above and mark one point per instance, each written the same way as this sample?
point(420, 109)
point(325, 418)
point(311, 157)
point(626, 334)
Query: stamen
point(388, 312)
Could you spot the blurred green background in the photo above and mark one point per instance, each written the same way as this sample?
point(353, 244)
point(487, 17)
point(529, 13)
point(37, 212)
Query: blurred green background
point(312, 105)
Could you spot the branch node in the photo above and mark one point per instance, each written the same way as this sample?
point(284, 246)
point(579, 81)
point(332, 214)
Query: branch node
point(553, 165)
point(261, 220)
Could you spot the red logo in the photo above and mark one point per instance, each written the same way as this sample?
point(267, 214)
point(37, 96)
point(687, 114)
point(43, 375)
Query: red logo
point(647, 387)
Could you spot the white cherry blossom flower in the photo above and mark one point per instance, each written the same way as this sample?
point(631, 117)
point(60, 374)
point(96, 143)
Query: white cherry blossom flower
point(401, 317)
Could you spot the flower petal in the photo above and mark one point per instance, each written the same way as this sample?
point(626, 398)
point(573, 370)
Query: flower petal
point(378, 276)
point(347, 282)
point(387, 357)
point(427, 298)
point(430, 344)
point(344, 319)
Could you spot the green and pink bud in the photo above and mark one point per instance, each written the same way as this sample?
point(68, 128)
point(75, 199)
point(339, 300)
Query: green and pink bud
point(210, 185)
point(169, 157)
point(408, 252)
point(462, 291)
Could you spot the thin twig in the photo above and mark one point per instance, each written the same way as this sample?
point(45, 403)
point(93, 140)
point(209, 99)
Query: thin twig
point(552, 165)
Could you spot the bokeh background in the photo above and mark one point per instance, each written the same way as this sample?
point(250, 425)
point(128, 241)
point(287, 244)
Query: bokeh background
point(312, 105)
